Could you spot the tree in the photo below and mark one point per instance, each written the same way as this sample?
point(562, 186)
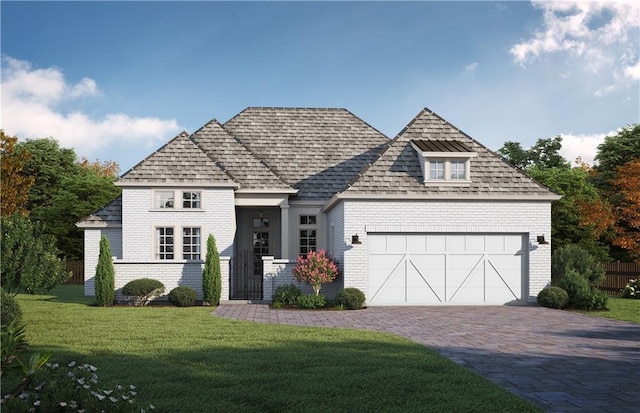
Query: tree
point(317, 268)
point(616, 151)
point(544, 154)
point(105, 275)
point(30, 260)
point(65, 191)
point(211, 275)
point(627, 208)
point(15, 183)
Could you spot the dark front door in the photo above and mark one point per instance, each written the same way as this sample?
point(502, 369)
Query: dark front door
point(258, 230)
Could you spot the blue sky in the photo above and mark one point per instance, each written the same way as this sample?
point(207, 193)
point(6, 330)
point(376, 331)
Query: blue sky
point(116, 80)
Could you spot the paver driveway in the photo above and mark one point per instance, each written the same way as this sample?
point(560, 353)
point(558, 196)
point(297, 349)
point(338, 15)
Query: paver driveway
point(561, 361)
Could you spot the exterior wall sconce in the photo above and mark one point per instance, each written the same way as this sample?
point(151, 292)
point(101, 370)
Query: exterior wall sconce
point(541, 240)
point(355, 239)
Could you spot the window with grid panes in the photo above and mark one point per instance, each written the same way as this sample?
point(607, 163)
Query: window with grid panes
point(308, 234)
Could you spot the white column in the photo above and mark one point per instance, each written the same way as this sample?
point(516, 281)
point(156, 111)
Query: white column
point(284, 227)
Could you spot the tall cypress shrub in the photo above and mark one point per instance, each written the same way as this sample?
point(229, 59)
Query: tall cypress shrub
point(105, 275)
point(211, 276)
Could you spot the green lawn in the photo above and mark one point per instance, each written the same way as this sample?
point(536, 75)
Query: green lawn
point(624, 309)
point(186, 360)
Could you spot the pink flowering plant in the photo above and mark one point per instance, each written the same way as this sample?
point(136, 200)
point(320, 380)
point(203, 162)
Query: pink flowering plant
point(317, 268)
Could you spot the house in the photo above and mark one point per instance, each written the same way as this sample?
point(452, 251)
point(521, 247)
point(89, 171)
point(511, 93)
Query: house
point(430, 217)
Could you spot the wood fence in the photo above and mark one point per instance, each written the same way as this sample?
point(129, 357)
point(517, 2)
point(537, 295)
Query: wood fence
point(77, 270)
point(618, 275)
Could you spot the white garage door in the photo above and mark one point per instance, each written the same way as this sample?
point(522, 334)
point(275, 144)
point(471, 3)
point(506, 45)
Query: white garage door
point(426, 269)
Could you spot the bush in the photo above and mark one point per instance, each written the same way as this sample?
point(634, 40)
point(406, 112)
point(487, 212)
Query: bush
point(211, 275)
point(286, 295)
point(72, 387)
point(572, 257)
point(143, 290)
point(350, 298)
point(183, 296)
point(553, 297)
point(312, 301)
point(631, 290)
point(581, 294)
point(315, 269)
point(10, 309)
point(104, 287)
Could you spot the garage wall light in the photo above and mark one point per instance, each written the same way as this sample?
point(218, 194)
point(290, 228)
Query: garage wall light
point(541, 240)
point(355, 239)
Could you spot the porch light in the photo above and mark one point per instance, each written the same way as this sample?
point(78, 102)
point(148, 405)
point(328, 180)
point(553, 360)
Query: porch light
point(355, 239)
point(541, 240)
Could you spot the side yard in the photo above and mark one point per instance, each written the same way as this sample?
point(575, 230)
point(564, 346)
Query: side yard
point(186, 360)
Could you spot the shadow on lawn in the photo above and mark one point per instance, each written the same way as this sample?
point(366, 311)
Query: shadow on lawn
point(301, 375)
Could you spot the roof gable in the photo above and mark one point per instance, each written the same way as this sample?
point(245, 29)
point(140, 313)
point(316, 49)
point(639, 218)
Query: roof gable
point(109, 215)
point(397, 171)
point(235, 159)
point(179, 161)
point(315, 150)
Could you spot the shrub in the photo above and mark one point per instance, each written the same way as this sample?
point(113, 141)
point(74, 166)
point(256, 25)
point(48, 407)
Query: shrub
point(72, 387)
point(553, 297)
point(286, 294)
point(10, 309)
point(211, 275)
point(572, 257)
point(105, 275)
point(315, 269)
point(183, 296)
point(631, 290)
point(143, 290)
point(350, 298)
point(581, 295)
point(312, 301)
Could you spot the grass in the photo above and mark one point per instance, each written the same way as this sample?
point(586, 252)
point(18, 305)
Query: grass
point(186, 360)
point(623, 309)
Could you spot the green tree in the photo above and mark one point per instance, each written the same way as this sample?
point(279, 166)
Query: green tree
point(616, 151)
point(30, 262)
point(211, 275)
point(65, 190)
point(566, 213)
point(105, 275)
point(544, 154)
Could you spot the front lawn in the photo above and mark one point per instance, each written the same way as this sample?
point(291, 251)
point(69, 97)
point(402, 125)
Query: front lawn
point(186, 360)
point(623, 309)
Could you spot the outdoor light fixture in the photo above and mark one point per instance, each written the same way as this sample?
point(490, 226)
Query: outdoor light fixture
point(541, 240)
point(355, 239)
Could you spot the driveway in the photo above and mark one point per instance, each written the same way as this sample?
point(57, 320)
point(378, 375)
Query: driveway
point(561, 361)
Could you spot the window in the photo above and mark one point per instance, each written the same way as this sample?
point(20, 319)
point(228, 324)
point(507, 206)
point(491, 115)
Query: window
point(458, 170)
point(308, 234)
point(165, 243)
point(164, 199)
point(191, 200)
point(436, 170)
point(191, 243)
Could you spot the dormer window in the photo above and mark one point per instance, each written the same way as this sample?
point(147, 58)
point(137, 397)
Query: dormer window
point(444, 162)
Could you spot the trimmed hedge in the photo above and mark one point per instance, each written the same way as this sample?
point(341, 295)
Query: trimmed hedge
point(143, 290)
point(183, 296)
point(350, 298)
point(553, 297)
point(10, 309)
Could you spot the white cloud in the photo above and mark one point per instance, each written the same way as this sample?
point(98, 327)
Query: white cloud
point(582, 146)
point(471, 67)
point(31, 101)
point(601, 37)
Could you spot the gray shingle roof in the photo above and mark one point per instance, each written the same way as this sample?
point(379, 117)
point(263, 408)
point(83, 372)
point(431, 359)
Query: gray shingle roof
point(179, 161)
point(397, 171)
point(440, 146)
point(317, 151)
point(236, 160)
point(110, 214)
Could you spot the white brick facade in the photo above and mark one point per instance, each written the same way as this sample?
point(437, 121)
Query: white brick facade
point(460, 216)
point(92, 250)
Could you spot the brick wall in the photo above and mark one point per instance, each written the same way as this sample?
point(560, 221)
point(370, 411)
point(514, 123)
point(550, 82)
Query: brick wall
point(92, 250)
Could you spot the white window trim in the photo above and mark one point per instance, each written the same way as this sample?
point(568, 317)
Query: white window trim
point(177, 200)
point(446, 157)
point(177, 242)
point(307, 227)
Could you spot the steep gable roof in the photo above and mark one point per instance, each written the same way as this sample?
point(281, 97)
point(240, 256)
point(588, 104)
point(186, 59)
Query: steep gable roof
point(317, 151)
point(235, 159)
point(109, 215)
point(397, 171)
point(179, 161)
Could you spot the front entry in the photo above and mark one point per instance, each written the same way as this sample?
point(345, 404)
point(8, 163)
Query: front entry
point(258, 236)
